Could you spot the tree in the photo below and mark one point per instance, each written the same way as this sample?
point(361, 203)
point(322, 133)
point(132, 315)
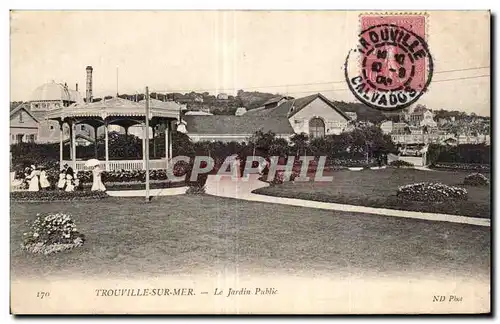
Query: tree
point(279, 148)
point(261, 142)
point(299, 143)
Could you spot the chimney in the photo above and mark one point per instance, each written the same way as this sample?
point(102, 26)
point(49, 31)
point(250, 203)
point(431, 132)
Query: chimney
point(76, 87)
point(88, 96)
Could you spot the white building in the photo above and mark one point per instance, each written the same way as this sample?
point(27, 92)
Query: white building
point(387, 127)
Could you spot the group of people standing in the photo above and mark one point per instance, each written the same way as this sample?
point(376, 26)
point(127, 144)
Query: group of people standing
point(68, 179)
point(37, 179)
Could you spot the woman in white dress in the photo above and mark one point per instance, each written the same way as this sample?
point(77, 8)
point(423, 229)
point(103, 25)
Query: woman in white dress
point(69, 183)
point(44, 182)
point(76, 181)
point(33, 179)
point(62, 180)
point(97, 184)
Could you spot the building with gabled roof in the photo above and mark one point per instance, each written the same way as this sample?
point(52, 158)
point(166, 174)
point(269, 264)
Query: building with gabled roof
point(23, 124)
point(314, 115)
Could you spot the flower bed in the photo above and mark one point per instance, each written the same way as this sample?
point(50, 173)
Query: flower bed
point(401, 164)
point(153, 183)
point(52, 233)
point(431, 192)
point(56, 195)
point(138, 176)
point(461, 166)
point(476, 179)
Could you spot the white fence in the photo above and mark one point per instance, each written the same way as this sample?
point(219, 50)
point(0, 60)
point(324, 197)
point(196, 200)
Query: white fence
point(116, 165)
point(415, 160)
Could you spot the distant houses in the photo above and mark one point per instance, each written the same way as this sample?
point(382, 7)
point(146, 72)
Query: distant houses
point(417, 125)
point(222, 96)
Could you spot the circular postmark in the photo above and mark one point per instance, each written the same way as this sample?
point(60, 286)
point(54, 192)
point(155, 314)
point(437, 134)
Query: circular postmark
point(390, 69)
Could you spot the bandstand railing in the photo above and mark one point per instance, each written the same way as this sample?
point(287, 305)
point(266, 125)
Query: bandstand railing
point(116, 165)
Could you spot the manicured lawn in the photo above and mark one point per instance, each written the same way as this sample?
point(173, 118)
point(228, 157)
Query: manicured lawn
point(377, 188)
point(209, 235)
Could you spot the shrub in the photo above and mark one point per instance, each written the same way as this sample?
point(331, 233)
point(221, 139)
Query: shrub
point(181, 168)
point(476, 179)
point(461, 166)
point(279, 177)
point(401, 164)
point(52, 233)
point(195, 189)
point(431, 192)
point(56, 195)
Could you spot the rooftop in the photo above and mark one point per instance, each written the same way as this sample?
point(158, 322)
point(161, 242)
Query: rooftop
point(228, 124)
point(53, 91)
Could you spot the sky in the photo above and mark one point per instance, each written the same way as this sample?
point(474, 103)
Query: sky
point(290, 52)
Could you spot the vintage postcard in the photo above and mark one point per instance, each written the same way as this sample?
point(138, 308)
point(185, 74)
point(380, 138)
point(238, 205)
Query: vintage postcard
point(250, 162)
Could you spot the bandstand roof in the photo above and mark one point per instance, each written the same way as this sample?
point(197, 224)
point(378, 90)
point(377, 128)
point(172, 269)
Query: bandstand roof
point(116, 107)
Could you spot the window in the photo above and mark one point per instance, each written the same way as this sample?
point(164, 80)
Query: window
point(82, 127)
point(51, 127)
point(19, 138)
point(31, 138)
point(316, 128)
point(21, 117)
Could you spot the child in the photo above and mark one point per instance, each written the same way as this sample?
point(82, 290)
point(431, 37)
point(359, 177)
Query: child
point(69, 183)
point(33, 179)
point(76, 181)
point(62, 180)
point(44, 182)
point(27, 172)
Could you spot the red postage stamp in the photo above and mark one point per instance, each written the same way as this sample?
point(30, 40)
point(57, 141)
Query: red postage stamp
point(395, 65)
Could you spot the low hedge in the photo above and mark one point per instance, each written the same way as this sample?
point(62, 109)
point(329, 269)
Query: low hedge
point(56, 195)
point(476, 179)
point(461, 166)
point(431, 192)
point(142, 185)
point(401, 164)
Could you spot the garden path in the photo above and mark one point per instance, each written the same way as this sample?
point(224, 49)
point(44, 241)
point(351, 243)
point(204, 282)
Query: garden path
point(152, 192)
point(240, 188)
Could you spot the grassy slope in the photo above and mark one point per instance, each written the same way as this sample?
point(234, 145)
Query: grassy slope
point(377, 188)
point(188, 234)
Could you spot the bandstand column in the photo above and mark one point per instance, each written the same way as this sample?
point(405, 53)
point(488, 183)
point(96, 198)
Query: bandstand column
point(61, 143)
point(73, 144)
point(126, 142)
point(106, 144)
point(154, 141)
point(72, 154)
point(144, 134)
point(169, 140)
point(167, 146)
point(96, 152)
